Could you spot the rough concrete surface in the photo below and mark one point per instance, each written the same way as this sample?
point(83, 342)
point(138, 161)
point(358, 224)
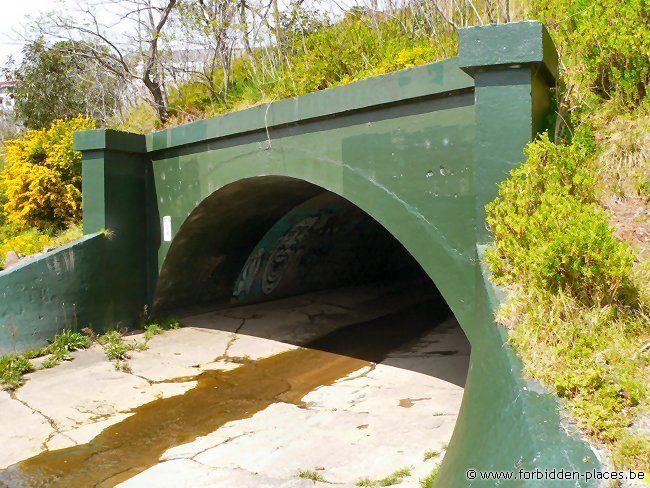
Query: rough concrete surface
point(370, 423)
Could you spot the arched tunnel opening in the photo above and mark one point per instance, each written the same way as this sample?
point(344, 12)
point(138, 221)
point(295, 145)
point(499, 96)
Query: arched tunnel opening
point(286, 261)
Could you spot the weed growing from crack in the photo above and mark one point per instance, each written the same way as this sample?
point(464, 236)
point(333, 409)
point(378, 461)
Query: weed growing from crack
point(157, 326)
point(118, 350)
point(12, 369)
point(366, 483)
point(311, 475)
point(430, 454)
point(63, 344)
point(429, 480)
point(392, 479)
point(14, 366)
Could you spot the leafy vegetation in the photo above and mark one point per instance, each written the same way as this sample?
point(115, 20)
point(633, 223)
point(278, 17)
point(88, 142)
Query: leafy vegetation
point(42, 176)
point(550, 232)
point(14, 366)
point(63, 344)
point(429, 480)
point(117, 349)
point(578, 313)
point(390, 480)
point(329, 55)
point(29, 241)
point(605, 47)
point(579, 294)
point(40, 189)
point(578, 306)
point(52, 84)
point(58, 350)
point(32, 241)
point(311, 475)
point(430, 454)
point(12, 369)
point(157, 326)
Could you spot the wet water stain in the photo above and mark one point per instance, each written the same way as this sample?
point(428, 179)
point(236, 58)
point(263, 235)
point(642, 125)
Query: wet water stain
point(135, 444)
point(409, 402)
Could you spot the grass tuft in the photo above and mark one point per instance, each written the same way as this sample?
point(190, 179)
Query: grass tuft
point(395, 477)
point(118, 350)
point(311, 475)
point(392, 479)
point(12, 369)
point(366, 483)
point(430, 454)
point(157, 326)
point(430, 480)
point(63, 344)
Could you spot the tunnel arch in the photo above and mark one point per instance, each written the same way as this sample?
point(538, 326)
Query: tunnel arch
point(248, 206)
point(222, 233)
point(219, 243)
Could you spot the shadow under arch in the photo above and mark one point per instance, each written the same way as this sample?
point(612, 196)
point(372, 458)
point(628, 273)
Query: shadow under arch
point(268, 238)
point(214, 242)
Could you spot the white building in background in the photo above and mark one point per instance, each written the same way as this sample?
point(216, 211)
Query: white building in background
point(6, 96)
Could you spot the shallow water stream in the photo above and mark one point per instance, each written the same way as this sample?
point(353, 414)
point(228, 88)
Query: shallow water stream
point(137, 443)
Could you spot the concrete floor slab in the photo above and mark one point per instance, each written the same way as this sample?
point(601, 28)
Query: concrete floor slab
point(376, 420)
point(26, 429)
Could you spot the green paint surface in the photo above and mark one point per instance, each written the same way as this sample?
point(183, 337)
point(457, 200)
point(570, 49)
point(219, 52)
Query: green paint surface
point(421, 151)
point(85, 283)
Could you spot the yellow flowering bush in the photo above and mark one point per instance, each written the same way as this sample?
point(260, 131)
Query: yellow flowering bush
point(42, 176)
point(27, 242)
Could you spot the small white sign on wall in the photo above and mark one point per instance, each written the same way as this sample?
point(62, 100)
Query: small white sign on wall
point(167, 228)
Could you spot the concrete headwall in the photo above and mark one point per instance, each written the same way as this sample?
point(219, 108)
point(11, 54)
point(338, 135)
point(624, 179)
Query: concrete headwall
point(88, 283)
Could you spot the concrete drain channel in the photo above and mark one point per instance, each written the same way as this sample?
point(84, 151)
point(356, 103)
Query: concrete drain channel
point(354, 382)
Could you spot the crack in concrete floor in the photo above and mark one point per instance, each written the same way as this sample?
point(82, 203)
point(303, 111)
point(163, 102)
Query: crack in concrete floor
point(357, 396)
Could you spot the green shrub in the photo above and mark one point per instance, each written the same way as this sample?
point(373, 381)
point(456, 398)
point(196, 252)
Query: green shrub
point(604, 44)
point(550, 233)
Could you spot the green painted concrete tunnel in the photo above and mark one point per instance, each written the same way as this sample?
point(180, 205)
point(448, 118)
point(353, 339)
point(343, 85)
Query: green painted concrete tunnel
point(194, 212)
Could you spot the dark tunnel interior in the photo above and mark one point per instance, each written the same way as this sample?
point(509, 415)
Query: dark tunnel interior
point(270, 237)
point(273, 239)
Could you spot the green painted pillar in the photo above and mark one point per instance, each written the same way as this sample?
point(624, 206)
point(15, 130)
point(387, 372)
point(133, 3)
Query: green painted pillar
point(506, 422)
point(116, 182)
point(514, 68)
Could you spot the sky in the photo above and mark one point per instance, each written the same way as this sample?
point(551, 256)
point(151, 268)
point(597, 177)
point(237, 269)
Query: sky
point(13, 14)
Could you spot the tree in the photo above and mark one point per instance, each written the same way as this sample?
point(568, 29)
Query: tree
point(123, 37)
point(51, 84)
point(209, 30)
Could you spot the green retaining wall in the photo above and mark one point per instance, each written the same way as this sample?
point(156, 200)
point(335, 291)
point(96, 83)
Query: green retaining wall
point(88, 283)
point(420, 151)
